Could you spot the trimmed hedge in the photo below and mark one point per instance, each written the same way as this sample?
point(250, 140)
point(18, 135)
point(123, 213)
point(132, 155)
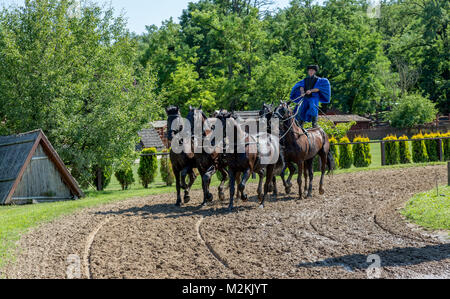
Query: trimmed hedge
point(432, 147)
point(419, 149)
point(125, 177)
point(148, 167)
point(166, 170)
point(345, 154)
point(361, 152)
point(392, 150)
point(334, 150)
point(404, 150)
point(446, 145)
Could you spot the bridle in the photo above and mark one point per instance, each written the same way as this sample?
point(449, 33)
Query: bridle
point(291, 118)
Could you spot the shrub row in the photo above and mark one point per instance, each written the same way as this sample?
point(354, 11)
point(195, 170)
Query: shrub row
point(361, 152)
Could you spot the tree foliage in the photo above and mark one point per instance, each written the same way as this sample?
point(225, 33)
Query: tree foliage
point(77, 77)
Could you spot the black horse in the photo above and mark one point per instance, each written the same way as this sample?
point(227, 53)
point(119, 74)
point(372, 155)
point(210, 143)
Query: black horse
point(182, 164)
point(207, 163)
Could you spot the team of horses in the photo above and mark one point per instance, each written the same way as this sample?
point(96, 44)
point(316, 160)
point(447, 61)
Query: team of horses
point(237, 154)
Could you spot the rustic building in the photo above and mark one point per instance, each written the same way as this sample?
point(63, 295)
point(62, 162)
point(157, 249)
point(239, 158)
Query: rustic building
point(150, 138)
point(32, 172)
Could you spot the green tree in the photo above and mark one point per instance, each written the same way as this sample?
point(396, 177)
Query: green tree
point(148, 167)
point(76, 77)
point(412, 110)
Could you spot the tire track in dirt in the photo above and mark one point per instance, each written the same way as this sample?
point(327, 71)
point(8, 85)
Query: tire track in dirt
point(214, 253)
point(87, 248)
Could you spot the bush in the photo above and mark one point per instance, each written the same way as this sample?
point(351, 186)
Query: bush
point(392, 150)
point(361, 153)
point(419, 149)
point(148, 167)
point(334, 150)
point(412, 110)
point(345, 154)
point(432, 147)
point(404, 151)
point(125, 176)
point(166, 170)
point(446, 144)
point(338, 131)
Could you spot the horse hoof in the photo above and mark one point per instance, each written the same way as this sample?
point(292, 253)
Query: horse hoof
point(178, 204)
point(309, 196)
point(288, 190)
point(187, 199)
point(244, 198)
point(230, 209)
point(222, 196)
point(210, 197)
point(322, 192)
point(261, 207)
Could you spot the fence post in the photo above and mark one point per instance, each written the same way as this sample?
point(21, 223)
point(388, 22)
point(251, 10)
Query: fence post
point(440, 151)
point(383, 153)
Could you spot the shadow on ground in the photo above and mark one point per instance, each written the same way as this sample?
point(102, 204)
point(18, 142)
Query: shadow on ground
point(397, 257)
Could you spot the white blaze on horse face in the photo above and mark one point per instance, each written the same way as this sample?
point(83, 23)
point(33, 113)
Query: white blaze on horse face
point(215, 137)
point(181, 142)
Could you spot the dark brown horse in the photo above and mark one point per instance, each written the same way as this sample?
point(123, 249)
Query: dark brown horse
point(182, 164)
point(248, 161)
point(301, 149)
point(209, 162)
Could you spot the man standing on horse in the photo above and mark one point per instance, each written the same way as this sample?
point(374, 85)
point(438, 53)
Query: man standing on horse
point(308, 94)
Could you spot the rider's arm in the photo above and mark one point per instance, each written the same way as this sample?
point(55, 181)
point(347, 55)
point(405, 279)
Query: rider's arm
point(313, 91)
point(302, 91)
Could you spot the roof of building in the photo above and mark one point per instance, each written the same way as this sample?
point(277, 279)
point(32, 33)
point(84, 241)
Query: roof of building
point(150, 139)
point(16, 152)
point(346, 118)
point(159, 124)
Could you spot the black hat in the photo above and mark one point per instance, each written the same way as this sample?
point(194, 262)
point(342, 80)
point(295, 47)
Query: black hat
point(313, 67)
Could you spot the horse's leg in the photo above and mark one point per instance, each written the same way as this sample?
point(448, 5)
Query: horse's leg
point(237, 178)
point(275, 187)
point(207, 178)
point(243, 183)
point(323, 157)
point(224, 174)
point(299, 179)
point(269, 180)
point(187, 196)
point(288, 184)
point(187, 170)
point(260, 187)
point(232, 189)
point(309, 169)
point(178, 184)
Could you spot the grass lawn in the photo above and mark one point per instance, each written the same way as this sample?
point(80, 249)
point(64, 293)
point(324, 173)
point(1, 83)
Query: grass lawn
point(430, 209)
point(17, 220)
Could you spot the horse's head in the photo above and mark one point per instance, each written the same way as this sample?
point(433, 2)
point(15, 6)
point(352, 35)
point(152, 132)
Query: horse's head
point(283, 113)
point(173, 113)
point(196, 117)
point(266, 111)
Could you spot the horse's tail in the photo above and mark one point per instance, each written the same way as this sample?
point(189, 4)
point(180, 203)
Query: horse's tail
point(331, 163)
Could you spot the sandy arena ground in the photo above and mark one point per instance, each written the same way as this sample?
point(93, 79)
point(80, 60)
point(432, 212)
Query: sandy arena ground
point(330, 236)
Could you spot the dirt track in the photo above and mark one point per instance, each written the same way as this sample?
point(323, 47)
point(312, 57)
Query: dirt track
point(328, 236)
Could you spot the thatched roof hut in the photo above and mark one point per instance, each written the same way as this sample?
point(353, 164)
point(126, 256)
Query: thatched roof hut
point(31, 171)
